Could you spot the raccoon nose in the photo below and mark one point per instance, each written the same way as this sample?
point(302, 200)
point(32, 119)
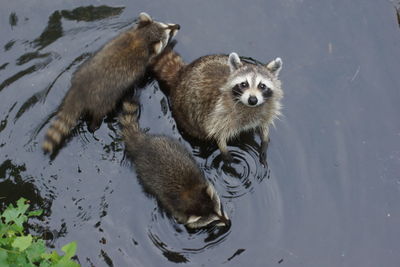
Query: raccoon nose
point(175, 27)
point(252, 100)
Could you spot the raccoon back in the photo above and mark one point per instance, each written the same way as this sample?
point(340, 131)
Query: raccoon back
point(167, 67)
point(197, 91)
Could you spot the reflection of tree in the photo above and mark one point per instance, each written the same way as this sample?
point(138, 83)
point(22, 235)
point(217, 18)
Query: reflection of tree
point(16, 76)
point(54, 30)
point(51, 33)
point(13, 186)
point(91, 13)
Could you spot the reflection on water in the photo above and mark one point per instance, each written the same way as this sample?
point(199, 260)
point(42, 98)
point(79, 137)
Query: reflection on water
point(243, 174)
point(333, 162)
point(398, 14)
point(190, 241)
point(13, 19)
point(14, 179)
point(54, 29)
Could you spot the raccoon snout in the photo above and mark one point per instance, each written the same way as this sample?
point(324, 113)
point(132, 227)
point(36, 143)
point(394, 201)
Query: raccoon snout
point(252, 100)
point(223, 221)
point(173, 30)
point(174, 26)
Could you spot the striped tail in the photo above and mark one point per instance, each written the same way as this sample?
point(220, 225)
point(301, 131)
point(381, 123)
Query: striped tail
point(167, 66)
point(59, 129)
point(128, 120)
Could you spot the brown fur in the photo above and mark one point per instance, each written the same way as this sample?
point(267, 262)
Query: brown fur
point(100, 82)
point(204, 106)
point(169, 173)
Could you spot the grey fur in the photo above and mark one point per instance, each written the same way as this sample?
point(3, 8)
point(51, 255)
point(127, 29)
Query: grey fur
point(207, 103)
point(234, 62)
point(169, 173)
point(101, 81)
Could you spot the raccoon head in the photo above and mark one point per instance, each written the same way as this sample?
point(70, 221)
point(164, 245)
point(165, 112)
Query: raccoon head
point(252, 84)
point(208, 210)
point(156, 34)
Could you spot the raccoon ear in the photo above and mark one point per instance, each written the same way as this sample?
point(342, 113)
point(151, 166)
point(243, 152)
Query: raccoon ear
point(158, 47)
point(234, 61)
point(144, 19)
point(193, 219)
point(275, 66)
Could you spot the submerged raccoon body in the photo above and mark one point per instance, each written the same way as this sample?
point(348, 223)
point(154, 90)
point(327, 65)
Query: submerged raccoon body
point(168, 172)
point(218, 96)
point(101, 81)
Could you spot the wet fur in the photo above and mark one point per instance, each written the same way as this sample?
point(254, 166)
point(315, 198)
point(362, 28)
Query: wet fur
point(101, 81)
point(169, 173)
point(202, 100)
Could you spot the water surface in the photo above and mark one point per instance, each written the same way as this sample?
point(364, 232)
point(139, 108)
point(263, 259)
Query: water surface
point(330, 194)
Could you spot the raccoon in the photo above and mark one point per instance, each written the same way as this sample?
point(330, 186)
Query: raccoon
point(104, 78)
point(168, 172)
point(219, 96)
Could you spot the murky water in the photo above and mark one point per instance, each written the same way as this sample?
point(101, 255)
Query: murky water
point(330, 195)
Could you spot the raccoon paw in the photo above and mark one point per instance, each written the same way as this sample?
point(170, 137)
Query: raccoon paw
point(94, 125)
point(263, 152)
point(263, 158)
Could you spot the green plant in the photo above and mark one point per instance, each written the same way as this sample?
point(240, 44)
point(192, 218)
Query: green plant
point(18, 248)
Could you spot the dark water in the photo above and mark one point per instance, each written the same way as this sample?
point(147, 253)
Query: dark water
point(330, 195)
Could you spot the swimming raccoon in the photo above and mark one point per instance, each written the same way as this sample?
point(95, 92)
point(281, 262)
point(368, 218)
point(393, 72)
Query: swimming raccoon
point(167, 171)
point(104, 78)
point(218, 96)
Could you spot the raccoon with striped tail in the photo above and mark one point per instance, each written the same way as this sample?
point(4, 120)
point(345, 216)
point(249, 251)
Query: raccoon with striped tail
point(102, 80)
point(216, 97)
point(168, 172)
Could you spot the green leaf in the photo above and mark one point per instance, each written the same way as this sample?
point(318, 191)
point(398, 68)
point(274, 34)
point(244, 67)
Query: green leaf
point(3, 259)
point(18, 259)
point(18, 249)
point(64, 262)
point(22, 242)
point(35, 251)
point(53, 256)
point(2, 226)
point(12, 214)
point(16, 215)
point(15, 229)
point(22, 205)
point(4, 242)
point(44, 264)
point(35, 213)
point(69, 250)
point(3, 231)
point(46, 256)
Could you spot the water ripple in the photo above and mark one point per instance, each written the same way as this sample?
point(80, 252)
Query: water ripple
point(240, 176)
point(165, 234)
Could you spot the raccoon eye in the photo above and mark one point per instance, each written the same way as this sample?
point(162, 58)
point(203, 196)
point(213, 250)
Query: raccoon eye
point(262, 86)
point(244, 84)
point(268, 92)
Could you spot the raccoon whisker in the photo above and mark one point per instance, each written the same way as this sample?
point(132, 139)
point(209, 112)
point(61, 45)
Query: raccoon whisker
point(236, 102)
